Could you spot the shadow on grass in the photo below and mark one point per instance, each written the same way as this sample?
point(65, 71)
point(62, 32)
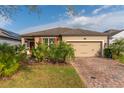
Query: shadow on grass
point(25, 69)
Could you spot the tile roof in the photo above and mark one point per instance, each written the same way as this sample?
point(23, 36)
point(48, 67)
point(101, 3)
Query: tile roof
point(10, 35)
point(112, 32)
point(64, 32)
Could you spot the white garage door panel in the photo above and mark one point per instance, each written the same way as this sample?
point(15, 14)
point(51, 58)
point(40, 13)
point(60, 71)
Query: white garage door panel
point(86, 49)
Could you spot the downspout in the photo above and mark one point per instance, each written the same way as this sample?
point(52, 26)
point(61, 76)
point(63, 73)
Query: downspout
point(108, 37)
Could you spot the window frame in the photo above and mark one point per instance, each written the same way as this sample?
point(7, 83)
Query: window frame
point(48, 39)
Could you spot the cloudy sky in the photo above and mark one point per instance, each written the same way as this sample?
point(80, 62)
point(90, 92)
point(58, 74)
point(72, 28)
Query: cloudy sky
point(98, 18)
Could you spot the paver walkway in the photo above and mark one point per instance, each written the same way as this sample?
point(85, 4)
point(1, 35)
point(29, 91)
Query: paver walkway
point(100, 72)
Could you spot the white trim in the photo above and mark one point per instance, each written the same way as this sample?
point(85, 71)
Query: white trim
point(48, 39)
point(85, 40)
point(91, 40)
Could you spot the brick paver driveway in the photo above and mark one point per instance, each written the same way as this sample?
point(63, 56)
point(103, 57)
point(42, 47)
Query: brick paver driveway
point(100, 72)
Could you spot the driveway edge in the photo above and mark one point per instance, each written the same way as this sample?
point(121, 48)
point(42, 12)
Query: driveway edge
point(81, 77)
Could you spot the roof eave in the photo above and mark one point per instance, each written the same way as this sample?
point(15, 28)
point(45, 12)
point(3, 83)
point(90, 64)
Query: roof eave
point(57, 35)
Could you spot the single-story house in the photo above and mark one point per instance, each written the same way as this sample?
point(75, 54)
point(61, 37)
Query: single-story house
point(114, 34)
point(9, 37)
point(86, 43)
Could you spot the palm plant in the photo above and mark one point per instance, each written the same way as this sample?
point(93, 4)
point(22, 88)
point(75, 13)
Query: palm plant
point(55, 53)
point(61, 52)
point(40, 52)
point(52, 53)
point(22, 53)
point(117, 47)
point(8, 60)
point(21, 49)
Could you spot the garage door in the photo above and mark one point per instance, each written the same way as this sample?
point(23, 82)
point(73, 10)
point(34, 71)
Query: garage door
point(86, 48)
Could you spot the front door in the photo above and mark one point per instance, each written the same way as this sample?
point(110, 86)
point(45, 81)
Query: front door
point(31, 45)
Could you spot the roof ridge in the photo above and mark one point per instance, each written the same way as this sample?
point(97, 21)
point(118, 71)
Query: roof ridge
point(89, 30)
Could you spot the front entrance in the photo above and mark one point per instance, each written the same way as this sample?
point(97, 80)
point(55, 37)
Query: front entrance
point(32, 45)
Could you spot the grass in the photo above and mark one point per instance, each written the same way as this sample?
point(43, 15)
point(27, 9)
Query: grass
point(44, 76)
point(121, 59)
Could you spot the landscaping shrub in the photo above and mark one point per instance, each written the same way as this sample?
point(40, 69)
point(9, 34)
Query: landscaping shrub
point(60, 52)
point(40, 52)
point(108, 53)
point(8, 71)
point(56, 53)
point(117, 47)
point(116, 50)
point(22, 53)
point(52, 53)
point(9, 62)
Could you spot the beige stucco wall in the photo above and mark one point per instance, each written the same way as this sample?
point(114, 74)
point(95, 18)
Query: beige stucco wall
point(36, 40)
point(23, 41)
point(65, 38)
point(103, 39)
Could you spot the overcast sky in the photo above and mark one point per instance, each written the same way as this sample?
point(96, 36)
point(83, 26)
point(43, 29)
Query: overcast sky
point(98, 18)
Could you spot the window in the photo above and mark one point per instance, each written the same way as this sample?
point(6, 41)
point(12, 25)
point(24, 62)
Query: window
point(49, 40)
point(28, 44)
point(45, 40)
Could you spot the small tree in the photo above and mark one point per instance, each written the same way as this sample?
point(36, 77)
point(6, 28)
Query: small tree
point(117, 47)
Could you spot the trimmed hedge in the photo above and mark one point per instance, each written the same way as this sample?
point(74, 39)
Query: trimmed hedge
point(107, 53)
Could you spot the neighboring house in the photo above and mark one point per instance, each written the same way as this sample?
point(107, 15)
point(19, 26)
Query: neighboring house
point(86, 43)
point(114, 34)
point(9, 37)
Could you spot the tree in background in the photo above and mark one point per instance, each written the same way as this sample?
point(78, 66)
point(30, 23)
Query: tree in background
point(10, 10)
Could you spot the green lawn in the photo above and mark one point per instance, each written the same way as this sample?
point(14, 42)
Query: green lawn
point(44, 76)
